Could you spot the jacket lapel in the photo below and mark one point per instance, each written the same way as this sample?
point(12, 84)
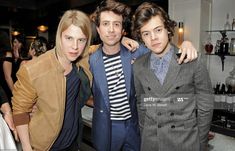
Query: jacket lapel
point(170, 78)
point(127, 67)
point(101, 76)
point(172, 73)
point(150, 76)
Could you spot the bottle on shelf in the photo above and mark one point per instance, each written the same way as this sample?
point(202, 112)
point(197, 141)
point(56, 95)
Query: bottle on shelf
point(232, 46)
point(229, 103)
point(224, 46)
point(233, 24)
point(230, 80)
point(217, 47)
point(227, 24)
point(208, 45)
point(234, 104)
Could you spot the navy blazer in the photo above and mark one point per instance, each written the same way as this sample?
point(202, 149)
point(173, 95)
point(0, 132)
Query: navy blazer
point(101, 123)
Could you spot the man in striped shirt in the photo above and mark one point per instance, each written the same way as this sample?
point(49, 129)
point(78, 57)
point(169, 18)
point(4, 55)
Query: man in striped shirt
point(115, 120)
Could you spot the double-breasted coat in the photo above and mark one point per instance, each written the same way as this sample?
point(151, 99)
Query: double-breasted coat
point(176, 115)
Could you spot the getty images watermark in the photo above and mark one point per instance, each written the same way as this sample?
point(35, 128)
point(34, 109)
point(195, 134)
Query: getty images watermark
point(156, 101)
point(221, 102)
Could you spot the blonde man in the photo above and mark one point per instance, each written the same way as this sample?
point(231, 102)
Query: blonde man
point(57, 84)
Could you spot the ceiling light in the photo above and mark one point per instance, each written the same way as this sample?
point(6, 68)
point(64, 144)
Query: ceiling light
point(15, 33)
point(42, 28)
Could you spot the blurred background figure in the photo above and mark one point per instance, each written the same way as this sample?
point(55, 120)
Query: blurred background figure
point(11, 58)
point(7, 142)
point(37, 47)
point(5, 63)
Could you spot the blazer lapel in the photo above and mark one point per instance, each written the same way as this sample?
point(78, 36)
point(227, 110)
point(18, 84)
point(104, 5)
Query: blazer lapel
point(150, 76)
point(172, 72)
point(127, 67)
point(101, 76)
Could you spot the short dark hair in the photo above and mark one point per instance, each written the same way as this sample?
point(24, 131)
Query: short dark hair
point(114, 6)
point(144, 13)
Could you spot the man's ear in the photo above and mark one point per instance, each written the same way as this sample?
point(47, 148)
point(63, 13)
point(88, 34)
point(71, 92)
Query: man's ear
point(123, 32)
point(97, 29)
point(34, 52)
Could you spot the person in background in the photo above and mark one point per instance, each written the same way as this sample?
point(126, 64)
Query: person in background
point(37, 47)
point(174, 102)
point(10, 63)
point(115, 121)
point(7, 142)
point(57, 84)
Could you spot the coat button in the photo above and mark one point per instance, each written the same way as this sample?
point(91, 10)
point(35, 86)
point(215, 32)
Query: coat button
point(101, 111)
point(149, 88)
point(177, 87)
point(159, 126)
point(159, 113)
point(172, 126)
point(172, 114)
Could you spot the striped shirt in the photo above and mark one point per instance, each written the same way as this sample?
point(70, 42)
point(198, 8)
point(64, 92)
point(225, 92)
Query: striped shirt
point(119, 104)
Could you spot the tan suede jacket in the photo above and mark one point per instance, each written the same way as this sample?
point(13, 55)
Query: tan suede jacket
point(42, 82)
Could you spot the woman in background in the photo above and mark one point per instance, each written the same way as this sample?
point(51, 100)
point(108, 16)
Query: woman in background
point(11, 61)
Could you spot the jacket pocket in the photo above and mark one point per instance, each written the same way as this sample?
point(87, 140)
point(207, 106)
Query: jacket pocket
point(190, 123)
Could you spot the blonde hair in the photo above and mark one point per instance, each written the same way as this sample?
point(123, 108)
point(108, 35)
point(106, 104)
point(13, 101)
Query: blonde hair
point(78, 19)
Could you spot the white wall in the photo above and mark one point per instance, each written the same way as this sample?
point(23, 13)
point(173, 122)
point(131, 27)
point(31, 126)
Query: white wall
point(190, 13)
point(199, 16)
point(219, 10)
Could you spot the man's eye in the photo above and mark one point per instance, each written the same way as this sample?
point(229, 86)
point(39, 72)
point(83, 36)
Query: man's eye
point(145, 34)
point(117, 25)
point(159, 30)
point(83, 40)
point(105, 24)
point(69, 38)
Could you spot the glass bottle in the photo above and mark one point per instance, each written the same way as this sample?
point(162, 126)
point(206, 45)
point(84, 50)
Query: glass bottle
point(232, 46)
point(227, 24)
point(233, 24)
point(217, 47)
point(234, 104)
point(224, 46)
point(230, 80)
point(208, 46)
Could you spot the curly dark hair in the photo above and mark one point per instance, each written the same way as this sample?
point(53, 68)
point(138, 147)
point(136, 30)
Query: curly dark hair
point(144, 13)
point(114, 6)
point(39, 45)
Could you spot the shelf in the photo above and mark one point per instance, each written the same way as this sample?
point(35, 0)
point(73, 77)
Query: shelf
point(220, 30)
point(223, 112)
point(216, 127)
point(225, 127)
point(219, 54)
